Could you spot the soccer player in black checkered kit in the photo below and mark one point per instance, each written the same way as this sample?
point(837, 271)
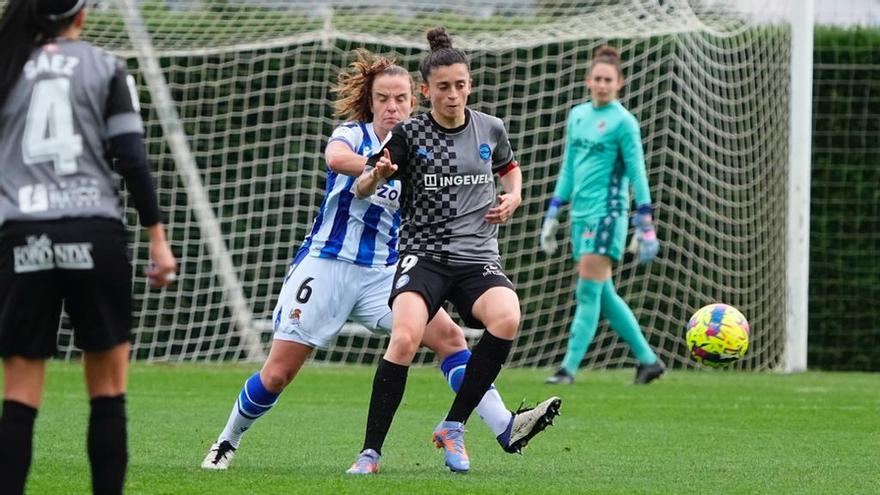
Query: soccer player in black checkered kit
point(65, 108)
point(446, 160)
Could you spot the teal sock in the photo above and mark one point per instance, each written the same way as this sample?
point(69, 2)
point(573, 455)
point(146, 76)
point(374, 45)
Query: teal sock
point(583, 327)
point(624, 322)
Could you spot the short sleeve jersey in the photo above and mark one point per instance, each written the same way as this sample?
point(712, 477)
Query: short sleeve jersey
point(358, 231)
point(603, 156)
point(70, 100)
point(449, 186)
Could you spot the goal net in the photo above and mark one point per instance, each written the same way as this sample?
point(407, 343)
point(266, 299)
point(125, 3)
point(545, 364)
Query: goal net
point(250, 84)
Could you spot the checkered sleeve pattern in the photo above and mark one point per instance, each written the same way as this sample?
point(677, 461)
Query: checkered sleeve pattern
point(427, 209)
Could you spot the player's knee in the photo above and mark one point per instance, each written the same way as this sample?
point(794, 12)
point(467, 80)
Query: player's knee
point(455, 340)
point(452, 337)
point(276, 378)
point(404, 342)
point(505, 325)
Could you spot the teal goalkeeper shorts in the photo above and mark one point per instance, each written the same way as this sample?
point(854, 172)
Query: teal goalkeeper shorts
point(605, 236)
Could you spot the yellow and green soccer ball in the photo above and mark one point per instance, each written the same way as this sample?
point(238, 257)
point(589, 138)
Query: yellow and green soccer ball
point(718, 335)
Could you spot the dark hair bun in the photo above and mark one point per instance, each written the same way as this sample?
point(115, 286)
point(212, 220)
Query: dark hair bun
point(65, 8)
point(608, 53)
point(438, 39)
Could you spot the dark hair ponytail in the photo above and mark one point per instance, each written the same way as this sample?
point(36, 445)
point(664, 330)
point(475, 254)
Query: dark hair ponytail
point(25, 25)
point(442, 53)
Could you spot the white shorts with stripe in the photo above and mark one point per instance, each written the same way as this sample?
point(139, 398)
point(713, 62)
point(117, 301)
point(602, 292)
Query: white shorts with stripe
point(319, 295)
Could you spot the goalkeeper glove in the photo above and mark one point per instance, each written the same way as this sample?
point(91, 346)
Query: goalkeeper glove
point(551, 225)
point(644, 242)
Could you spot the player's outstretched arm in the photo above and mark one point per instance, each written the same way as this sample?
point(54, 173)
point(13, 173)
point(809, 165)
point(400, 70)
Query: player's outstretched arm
point(343, 160)
point(369, 181)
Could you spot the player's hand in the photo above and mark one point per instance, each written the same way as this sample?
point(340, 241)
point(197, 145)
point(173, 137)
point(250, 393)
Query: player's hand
point(162, 269)
point(503, 211)
point(644, 243)
point(548, 243)
point(384, 168)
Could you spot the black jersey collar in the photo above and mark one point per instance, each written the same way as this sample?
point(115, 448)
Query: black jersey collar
point(467, 120)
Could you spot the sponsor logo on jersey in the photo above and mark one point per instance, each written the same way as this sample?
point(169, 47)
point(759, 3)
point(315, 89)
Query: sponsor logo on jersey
point(485, 151)
point(589, 145)
point(601, 126)
point(588, 234)
point(402, 281)
point(41, 254)
point(436, 181)
point(424, 153)
point(34, 198)
point(387, 195)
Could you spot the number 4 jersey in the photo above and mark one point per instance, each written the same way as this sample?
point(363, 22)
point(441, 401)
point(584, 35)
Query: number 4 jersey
point(69, 101)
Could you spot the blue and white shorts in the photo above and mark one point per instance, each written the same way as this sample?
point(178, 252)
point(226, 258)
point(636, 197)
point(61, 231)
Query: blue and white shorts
point(319, 295)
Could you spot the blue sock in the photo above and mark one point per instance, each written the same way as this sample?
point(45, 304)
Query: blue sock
point(491, 408)
point(624, 322)
point(253, 401)
point(453, 368)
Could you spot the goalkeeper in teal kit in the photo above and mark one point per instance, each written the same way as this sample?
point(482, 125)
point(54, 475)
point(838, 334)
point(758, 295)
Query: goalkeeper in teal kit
point(603, 158)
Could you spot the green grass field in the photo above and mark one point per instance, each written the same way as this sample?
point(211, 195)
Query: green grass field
point(691, 432)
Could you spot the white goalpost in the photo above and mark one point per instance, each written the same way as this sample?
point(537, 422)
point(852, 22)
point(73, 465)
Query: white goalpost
point(238, 106)
point(798, 207)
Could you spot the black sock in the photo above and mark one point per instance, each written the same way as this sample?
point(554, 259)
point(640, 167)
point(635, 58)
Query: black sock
point(108, 444)
point(388, 386)
point(16, 438)
point(482, 369)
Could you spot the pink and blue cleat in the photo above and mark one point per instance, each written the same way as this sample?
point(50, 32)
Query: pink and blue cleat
point(449, 436)
point(366, 463)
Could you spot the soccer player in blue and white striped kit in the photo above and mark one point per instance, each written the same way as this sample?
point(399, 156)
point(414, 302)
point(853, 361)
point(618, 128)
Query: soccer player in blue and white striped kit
point(345, 267)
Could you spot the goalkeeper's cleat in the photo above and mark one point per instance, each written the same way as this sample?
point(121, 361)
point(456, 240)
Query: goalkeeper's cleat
point(646, 373)
point(561, 377)
point(528, 422)
point(367, 462)
point(449, 436)
point(219, 456)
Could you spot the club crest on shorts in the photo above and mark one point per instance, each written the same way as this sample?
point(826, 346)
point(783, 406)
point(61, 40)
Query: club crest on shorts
point(492, 269)
point(403, 280)
point(294, 316)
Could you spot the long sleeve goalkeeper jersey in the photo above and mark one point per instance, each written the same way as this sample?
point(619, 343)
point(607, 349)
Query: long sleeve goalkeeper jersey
point(603, 156)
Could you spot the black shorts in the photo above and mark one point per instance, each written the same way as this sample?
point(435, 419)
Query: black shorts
point(83, 262)
point(437, 283)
